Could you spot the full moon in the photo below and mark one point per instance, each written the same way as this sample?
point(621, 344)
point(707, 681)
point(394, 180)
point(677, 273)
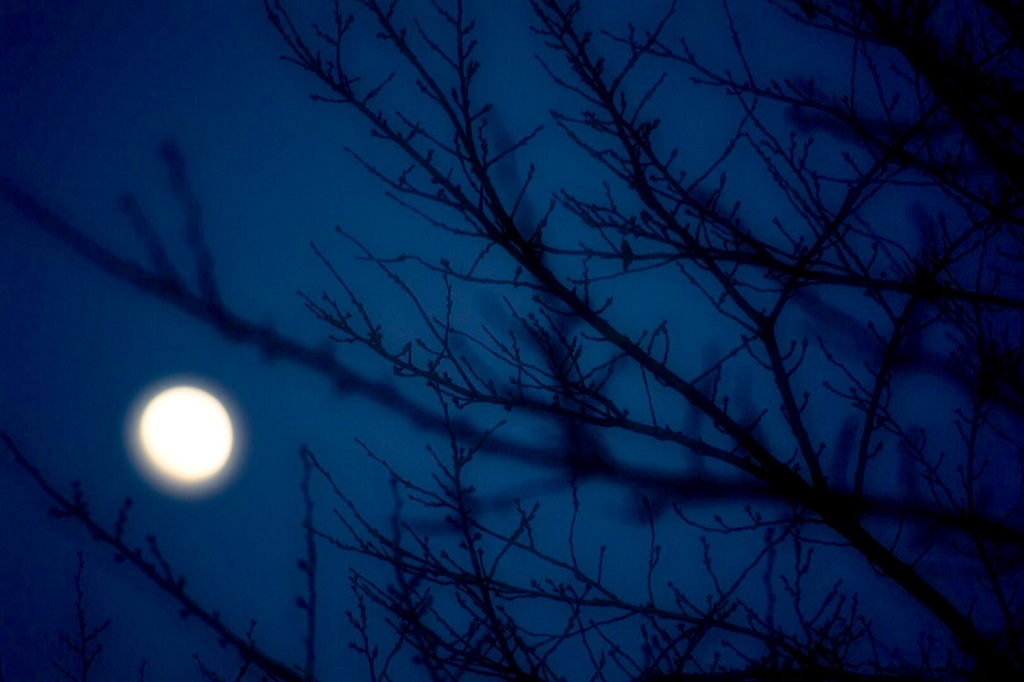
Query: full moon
point(183, 438)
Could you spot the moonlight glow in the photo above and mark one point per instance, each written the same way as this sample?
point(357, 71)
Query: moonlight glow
point(183, 439)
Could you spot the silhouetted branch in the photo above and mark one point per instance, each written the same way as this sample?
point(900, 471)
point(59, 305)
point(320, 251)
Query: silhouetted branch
point(889, 253)
point(84, 646)
point(157, 571)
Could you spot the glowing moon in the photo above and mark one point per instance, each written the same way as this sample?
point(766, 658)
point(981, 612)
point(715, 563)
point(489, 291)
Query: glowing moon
point(183, 439)
point(186, 433)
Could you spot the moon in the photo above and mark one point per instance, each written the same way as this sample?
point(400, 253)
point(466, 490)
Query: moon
point(183, 439)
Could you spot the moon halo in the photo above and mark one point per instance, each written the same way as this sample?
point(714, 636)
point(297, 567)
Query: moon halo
point(183, 438)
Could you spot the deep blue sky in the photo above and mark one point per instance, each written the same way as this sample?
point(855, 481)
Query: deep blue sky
point(87, 93)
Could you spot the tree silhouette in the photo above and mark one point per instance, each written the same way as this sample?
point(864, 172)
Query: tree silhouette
point(735, 342)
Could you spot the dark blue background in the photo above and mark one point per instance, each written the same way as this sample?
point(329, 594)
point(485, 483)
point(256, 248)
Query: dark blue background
point(87, 93)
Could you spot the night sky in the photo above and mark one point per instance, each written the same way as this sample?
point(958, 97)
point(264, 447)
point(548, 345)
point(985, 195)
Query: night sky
point(88, 94)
